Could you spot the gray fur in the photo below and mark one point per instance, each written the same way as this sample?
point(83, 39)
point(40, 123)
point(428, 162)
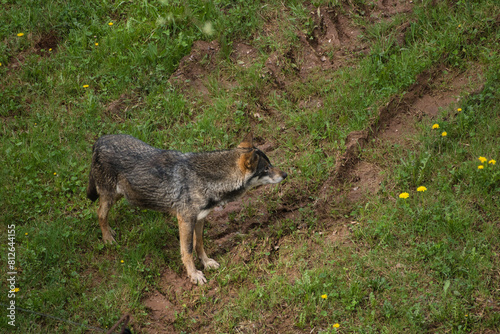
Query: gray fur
point(187, 184)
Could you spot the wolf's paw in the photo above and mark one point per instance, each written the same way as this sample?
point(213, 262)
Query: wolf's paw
point(197, 277)
point(211, 264)
point(108, 239)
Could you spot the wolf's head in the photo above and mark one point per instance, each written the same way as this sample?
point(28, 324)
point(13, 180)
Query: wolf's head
point(256, 166)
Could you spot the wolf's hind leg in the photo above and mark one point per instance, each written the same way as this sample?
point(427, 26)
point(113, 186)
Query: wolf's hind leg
point(208, 263)
point(105, 203)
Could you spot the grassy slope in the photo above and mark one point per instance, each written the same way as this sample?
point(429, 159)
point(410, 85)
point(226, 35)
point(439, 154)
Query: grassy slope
point(426, 263)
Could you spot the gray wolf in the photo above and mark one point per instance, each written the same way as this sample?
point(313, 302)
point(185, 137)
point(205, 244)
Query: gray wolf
point(188, 185)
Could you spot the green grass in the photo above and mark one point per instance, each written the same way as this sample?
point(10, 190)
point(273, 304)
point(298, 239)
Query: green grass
point(427, 263)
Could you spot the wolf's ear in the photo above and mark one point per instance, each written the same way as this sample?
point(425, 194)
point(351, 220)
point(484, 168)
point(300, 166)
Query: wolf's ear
point(247, 142)
point(248, 161)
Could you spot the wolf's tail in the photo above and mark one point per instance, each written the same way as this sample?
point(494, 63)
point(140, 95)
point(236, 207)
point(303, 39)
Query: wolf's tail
point(92, 193)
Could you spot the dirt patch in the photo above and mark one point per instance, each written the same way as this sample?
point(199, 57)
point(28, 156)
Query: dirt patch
point(195, 66)
point(401, 104)
point(166, 303)
point(43, 45)
point(335, 39)
point(47, 43)
point(339, 235)
point(433, 91)
point(120, 109)
point(387, 8)
point(243, 54)
point(355, 141)
point(366, 181)
point(161, 308)
point(446, 90)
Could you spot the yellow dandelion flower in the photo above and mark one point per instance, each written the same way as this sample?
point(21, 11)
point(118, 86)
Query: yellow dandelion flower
point(50, 50)
point(55, 173)
point(15, 290)
point(26, 233)
point(459, 109)
point(404, 195)
point(324, 296)
point(336, 326)
point(435, 126)
point(482, 159)
point(20, 34)
point(444, 134)
point(85, 86)
point(0, 64)
point(480, 167)
point(459, 25)
point(96, 44)
point(122, 261)
point(492, 162)
point(421, 188)
point(110, 24)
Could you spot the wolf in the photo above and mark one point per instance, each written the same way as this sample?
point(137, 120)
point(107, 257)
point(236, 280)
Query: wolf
point(188, 185)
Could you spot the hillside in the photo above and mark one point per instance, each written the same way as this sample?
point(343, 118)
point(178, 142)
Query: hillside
point(385, 115)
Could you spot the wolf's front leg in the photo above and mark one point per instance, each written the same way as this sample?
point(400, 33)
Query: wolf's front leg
point(208, 263)
point(186, 230)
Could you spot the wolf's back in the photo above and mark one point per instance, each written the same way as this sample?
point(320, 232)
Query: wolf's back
point(115, 156)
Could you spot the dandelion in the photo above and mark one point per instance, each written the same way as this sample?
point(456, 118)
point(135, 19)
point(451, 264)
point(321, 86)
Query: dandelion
point(336, 326)
point(435, 126)
point(55, 173)
point(404, 195)
point(492, 162)
point(26, 233)
point(459, 109)
point(0, 64)
point(15, 290)
point(122, 261)
point(110, 24)
point(20, 34)
point(50, 50)
point(444, 134)
point(421, 188)
point(85, 86)
point(480, 167)
point(324, 296)
point(459, 25)
point(96, 44)
point(482, 159)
